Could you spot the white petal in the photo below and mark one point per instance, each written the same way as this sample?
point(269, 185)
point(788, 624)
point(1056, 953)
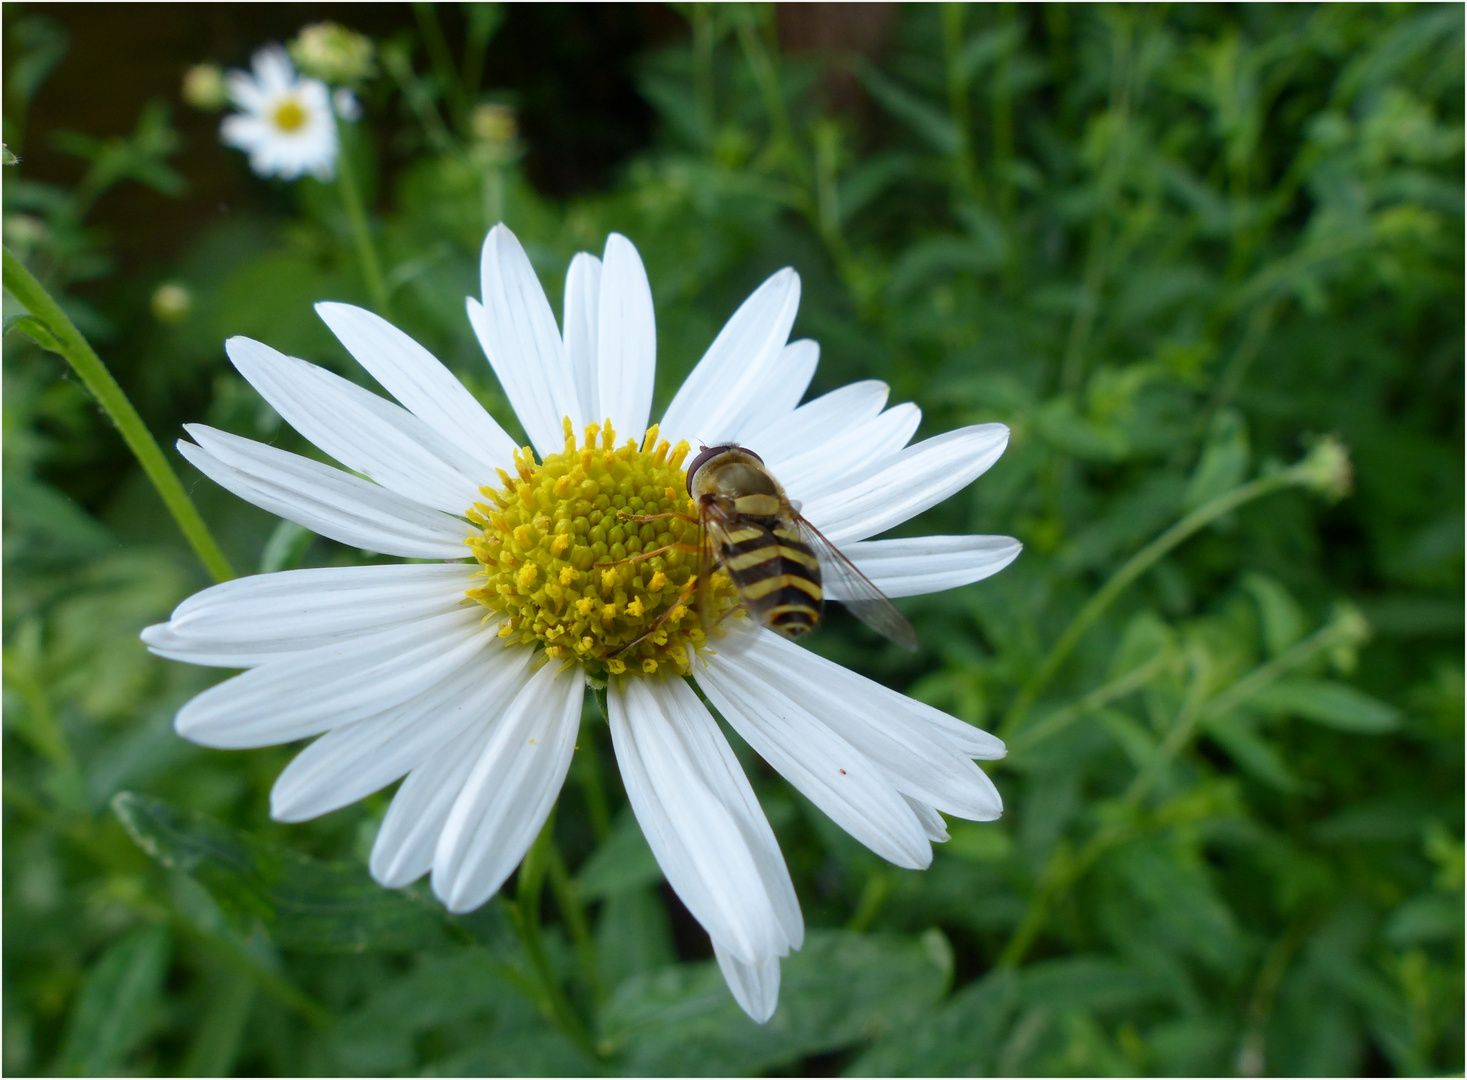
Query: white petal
point(249, 621)
point(517, 330)
point(781, 390)
point(425, 387)
point(754, 986)
point(508, 796)
point(816, 422)
point(701, 819)
point(350, 762)
point(366, 433)
point(855, 792)
point(905, 715)
point(931, 820)
point(403, 851)
point(273, 68)
point(582, 305)
point(917, 758)
point(310, 692)
point(626, 340)
point(927, 564)
point(918, 477)
point(719, 392)
point(346, 508)
point(841, 462)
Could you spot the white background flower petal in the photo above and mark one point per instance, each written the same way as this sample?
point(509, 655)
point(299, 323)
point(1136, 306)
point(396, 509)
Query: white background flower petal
point(754, 986)
point(918, 477)
point(426, 388)
point(701, 818)
point(927, 564)
point(368, 434)
point(582, 306)
point(816, 422)
point(509, 794)
point(310, 692)
point(719, 391)
point(517, 331)
point(852, 790)
point(626, 340)
point(350, 762)
point(346, 508)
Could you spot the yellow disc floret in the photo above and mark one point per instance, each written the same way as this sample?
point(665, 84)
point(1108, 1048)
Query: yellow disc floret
point(592, 555)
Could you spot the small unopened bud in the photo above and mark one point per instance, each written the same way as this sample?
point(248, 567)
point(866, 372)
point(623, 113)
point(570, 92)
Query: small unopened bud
point(203, 87)
point(493, 124)
point(171, 302)
point(1351, 630)
point(1326, 469)
point(332, 53)
point(25, 231)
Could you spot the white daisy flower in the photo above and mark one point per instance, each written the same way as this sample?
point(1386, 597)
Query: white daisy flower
point(466, 675)
point(285, 123)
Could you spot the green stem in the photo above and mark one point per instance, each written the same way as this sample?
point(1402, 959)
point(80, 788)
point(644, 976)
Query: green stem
point(1117, 688)
point(966, 174)
point(361, 233)
point(766, 77)
point(526, 917)
point(68, 343)
point(1137, 565)
point(568, 899)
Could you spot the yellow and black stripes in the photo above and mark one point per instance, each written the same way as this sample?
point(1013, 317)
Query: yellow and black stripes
point(777, 575)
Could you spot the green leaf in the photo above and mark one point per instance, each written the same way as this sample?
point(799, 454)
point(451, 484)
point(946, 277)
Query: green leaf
point(1224, 462)
point(622, 863)
point(633, 935)
point(959, 1039)
point(36, 330)
point(1278, 613)
point(306, 904)
point(114, 1012)
point(839, 990)
point(1254, 755)
point(1332, 704)
point(928, 121)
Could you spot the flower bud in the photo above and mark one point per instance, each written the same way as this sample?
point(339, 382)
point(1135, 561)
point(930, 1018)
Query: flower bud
point(171, 302)
point(1326, 469)
point(203, 87)
point(493, 124)
point(332, 53)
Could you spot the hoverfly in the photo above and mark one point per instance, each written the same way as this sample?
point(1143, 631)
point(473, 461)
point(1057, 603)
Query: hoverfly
point(777, 560)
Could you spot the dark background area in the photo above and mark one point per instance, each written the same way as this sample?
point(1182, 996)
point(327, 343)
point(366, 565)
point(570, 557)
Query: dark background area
point(565, 67)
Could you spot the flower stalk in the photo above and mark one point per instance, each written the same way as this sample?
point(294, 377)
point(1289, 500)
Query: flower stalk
point(53, 330)
point(1324, 469)
point(361, 232)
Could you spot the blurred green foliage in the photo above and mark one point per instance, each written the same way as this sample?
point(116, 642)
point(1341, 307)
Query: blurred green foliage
point(1170, 246)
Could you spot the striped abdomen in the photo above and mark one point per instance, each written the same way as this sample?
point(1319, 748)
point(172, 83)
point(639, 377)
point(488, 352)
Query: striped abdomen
point(777, 575)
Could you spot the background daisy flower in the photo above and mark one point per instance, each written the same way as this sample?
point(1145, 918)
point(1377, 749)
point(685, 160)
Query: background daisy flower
point(467, 676)
point(285, 122)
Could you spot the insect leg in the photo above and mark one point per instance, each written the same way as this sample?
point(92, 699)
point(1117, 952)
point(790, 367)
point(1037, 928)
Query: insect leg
point(648, 554)
point(681, 601)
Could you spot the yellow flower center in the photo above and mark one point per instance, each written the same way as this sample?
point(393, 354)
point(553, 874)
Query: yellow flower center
point(593, 555)
point(290, 116)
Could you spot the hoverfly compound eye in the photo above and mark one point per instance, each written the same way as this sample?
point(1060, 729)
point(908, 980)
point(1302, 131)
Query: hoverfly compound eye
point(753, 455)
point(698, 462)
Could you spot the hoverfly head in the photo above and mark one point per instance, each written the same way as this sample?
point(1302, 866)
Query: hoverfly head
point(708, 453)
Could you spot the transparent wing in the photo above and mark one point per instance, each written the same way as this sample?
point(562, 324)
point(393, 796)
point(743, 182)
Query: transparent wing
point(861, 598)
